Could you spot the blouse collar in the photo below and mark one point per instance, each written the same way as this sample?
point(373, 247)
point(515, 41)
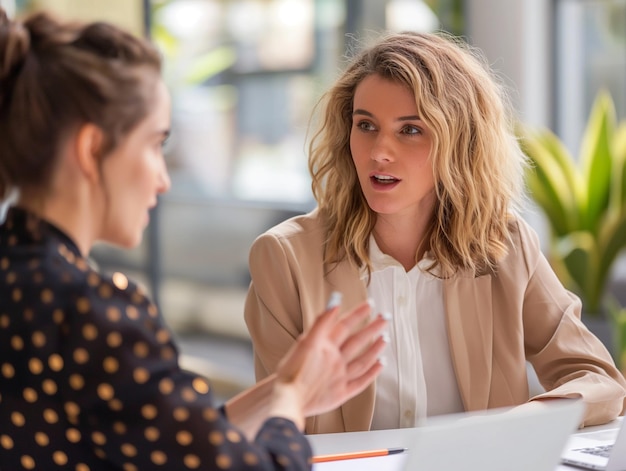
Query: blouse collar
point(380, 260)
point(26, 227)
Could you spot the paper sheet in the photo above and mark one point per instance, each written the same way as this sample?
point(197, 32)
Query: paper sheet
point(377, 463)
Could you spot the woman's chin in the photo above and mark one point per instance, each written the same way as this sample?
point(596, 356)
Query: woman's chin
point(126, 241)
point(135, 241)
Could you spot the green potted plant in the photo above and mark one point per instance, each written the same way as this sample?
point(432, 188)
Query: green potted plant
point(584, 201)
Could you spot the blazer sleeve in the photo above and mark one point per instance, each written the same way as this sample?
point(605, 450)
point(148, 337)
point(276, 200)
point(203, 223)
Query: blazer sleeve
point(569, 360)
point(137, 409)
point(272, 312)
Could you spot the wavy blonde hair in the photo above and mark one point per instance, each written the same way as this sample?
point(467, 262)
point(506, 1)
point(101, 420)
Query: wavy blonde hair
point(477, 163)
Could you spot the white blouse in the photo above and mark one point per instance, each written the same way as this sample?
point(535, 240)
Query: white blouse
point(418, 379)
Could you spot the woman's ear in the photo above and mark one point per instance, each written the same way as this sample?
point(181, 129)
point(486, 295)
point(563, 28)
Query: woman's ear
point(88, 145)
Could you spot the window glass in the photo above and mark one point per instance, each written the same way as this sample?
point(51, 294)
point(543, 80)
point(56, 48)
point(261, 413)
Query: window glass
point(244, 76)
point(590, 55)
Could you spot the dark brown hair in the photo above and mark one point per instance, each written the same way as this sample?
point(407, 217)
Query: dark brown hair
point(56, 76)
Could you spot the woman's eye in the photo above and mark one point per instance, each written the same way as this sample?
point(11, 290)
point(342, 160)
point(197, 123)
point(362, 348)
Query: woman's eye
point(411, 130)
point(165, 144)
point(365, 126)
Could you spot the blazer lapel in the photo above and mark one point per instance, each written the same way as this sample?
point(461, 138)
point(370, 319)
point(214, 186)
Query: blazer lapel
point(470, 328)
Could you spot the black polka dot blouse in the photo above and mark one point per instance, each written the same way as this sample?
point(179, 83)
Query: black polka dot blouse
point(89, 377)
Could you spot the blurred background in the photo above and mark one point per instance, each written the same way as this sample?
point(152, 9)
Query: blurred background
point(244, 77)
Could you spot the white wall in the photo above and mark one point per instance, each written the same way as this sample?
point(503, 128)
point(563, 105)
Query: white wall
point(515, 36)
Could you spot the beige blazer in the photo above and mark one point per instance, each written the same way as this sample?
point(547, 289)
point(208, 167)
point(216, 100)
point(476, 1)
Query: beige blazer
point(495, 323)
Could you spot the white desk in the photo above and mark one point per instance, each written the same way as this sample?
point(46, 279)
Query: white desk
point(398, 438)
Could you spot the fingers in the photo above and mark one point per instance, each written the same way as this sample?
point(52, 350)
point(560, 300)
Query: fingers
point(329, 317)
point(355, 317)
point(366, 359)
point(336, 326)
point(358, 384)
point(334, 301)
point(311, 342)
point(348, 339)
point(348, 322)
point(360, 339)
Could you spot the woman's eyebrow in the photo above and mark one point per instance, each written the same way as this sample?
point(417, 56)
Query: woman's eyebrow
point(409, 118)
point(362, 112)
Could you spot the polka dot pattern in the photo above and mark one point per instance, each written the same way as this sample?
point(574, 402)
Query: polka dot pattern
point(89, 376)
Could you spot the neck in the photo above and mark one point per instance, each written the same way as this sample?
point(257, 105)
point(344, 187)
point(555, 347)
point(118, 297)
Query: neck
point(402, 238)
point(68, 212)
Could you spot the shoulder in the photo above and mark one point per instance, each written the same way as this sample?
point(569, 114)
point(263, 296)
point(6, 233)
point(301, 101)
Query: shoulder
point(86, 296)
point(78, 277)
point(523, 250)
point(300, 233)
point(293, 249)
point(524, 241)
point(305, 225)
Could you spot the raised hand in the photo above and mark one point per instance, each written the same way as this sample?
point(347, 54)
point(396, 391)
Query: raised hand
point(335, 359)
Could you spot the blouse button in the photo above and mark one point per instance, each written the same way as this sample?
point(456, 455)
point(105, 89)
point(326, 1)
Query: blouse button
point(408, 418)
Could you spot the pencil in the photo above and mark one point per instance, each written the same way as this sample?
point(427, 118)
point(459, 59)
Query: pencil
point(357, 454)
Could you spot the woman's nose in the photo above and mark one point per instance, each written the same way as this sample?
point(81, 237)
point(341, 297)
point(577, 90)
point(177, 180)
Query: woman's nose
point(164, 180)
point(382, 151)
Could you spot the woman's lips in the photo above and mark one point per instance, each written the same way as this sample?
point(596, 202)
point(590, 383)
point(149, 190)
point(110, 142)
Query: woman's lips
point(383, 182)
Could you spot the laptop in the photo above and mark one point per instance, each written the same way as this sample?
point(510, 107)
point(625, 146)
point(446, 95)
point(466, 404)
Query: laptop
point(495, 440)
point(603, 450)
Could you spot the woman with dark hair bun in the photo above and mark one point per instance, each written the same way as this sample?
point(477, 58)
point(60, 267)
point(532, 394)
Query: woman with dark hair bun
point(89, 377)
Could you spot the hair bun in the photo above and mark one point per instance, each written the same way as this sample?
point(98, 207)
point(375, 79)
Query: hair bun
point(14, 47)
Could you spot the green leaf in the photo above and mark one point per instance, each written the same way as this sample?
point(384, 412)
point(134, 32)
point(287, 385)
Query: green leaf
point(585, 202)
point(617, 315)
point(210, 64)
point(579, 253)
point(547, 199)
point(571, 173)
point(618, 189)
point(596, 158)
point(611, 240)
point(165, 41)
point(549, 180)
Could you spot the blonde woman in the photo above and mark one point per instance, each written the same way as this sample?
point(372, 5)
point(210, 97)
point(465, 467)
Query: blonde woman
point(418, 179)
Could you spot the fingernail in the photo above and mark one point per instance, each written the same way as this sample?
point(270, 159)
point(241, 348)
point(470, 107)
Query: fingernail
point(385, 337)
point(372, 304)
point(334, 300)
point(386, 316)
point(382, 361)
